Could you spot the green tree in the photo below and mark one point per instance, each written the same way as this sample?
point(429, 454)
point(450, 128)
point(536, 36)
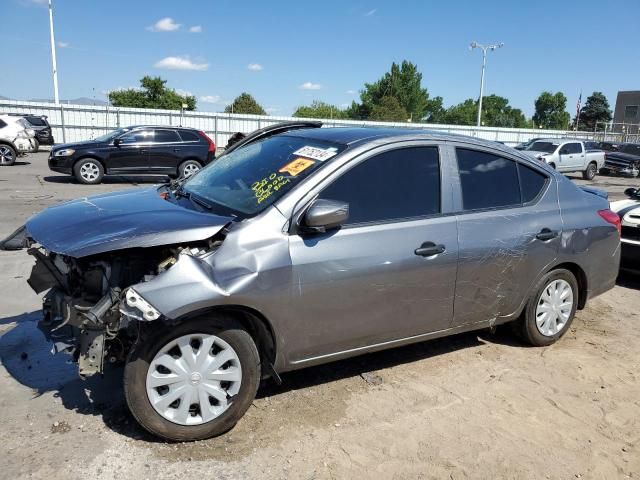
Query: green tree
point(551, 111)
point(496, 112)
point(319, 109)
point(404, 83)
point(152, 94)
point(596, 111)
point(245, 103)
point(388, 109)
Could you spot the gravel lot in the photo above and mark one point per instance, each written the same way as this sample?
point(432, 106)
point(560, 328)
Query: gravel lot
point(476, 405)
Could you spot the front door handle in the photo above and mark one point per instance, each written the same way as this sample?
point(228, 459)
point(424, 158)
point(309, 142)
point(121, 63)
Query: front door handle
point(428, 249)
point(547, 234)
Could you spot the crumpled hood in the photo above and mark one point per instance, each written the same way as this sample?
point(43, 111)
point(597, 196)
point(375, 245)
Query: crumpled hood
point(119, 220)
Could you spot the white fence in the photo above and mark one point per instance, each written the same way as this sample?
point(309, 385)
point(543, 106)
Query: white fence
point(72, 123)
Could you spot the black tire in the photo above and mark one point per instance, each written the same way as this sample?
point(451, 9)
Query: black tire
point(135, 374)
point(590, 172)
point(36, 148)
point(88, 171)
point(604, 171)
point(7, 155)
point(186, 166)
point(527, 327)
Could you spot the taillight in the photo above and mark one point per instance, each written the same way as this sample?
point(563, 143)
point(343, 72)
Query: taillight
point(612, 218)
point(212, 146)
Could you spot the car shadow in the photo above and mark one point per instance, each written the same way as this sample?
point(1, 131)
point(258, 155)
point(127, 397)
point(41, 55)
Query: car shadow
point(628, 280)
point(115, 179)
point(18, 163)
point(26, 356)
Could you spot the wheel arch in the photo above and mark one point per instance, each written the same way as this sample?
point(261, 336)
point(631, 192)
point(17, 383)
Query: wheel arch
point(93, 157)
point(581, 278)
point(256, 324)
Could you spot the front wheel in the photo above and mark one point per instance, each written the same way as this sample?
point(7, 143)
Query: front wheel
point(590, 172)
point(7, 155)
point(88, 171)
point(193, 381)
point(550, 309)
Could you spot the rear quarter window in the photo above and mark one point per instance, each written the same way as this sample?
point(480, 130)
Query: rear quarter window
point(531, 182)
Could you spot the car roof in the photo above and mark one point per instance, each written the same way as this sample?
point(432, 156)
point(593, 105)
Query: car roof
point(172, 127)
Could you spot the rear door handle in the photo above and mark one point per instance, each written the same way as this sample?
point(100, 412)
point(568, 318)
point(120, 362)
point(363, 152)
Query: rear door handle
point(428, 249)
point(547, 234)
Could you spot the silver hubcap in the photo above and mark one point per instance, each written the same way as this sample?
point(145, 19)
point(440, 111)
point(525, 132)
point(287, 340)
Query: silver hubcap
point(6, 156)
point(192, 379)
point(554, 307)
point(89, 171)
point(190, 169)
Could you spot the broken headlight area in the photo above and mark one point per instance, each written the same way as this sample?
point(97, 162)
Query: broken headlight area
point(91, 308)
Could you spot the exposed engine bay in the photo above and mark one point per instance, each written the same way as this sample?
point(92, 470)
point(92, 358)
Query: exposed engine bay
point(91, 309)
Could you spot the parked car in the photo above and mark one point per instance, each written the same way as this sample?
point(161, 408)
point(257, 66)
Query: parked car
point(625, 160)
point(16, 138)
point(566, 155)
point(41, 127)
point(136, 150)
point(629, 213)
point(308, 246)
point(527, 144)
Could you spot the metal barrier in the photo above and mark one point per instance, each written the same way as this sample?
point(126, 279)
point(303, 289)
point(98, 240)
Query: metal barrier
point(72, 123)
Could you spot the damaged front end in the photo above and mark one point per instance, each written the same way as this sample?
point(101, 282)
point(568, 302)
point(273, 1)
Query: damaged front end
point(90, 309)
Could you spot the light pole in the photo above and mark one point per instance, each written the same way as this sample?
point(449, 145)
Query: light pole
point(484, 63)
point(56, 97)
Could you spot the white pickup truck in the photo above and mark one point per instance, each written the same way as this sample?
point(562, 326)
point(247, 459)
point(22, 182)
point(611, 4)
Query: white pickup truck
point(566, 155)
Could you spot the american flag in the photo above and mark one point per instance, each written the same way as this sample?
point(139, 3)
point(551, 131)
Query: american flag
point(579, 104)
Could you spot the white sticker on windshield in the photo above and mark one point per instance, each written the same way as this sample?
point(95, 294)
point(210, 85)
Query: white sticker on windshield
point(316, 153)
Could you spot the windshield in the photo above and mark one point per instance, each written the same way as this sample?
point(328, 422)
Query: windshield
point(546, 147)
point(631, 149)
point(249, 179)
point(108, 136)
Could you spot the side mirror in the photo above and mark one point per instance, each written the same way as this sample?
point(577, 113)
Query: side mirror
point(324, 215)
point(631, 192)
point(117, 142)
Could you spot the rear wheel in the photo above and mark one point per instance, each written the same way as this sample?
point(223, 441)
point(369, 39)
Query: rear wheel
point(550, 309)
point(590, 172)
point(193, 381)
point(36, 145)
point(604, 171)
point(188, 168)
point(7, 155)
point(88, 171)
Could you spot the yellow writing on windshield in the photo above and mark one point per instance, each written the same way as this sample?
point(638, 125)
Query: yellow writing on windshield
point(264, 188)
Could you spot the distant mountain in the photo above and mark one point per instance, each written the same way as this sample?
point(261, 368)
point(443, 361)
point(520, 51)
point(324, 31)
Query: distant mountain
point(4, 98)
point(74, 101)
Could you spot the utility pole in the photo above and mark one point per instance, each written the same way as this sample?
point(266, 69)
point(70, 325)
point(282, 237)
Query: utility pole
point(484, 48)
point(56, 97)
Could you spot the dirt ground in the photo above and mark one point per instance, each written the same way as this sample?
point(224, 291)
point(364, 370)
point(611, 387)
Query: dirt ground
point(476, 405)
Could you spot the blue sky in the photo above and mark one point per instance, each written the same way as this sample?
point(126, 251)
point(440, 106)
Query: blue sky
point(288, 53)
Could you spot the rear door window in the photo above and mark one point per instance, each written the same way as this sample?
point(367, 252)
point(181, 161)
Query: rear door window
point(394, 185)
point(487, 180)
point(189, 136)
point(531, 183)
point(165, 136)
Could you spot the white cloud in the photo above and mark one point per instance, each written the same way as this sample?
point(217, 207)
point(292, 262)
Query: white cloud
point(210, 98)
point(254, 67)
point(196, 29)
point(271, 109)
point(345, 105)
point(183, 93)
point(62, 44)
point(351, 92)
point(310, 86)
point(371, 13)
point(180, 63)
point(166, 24)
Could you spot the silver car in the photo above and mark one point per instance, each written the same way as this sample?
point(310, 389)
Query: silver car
point(302, 246)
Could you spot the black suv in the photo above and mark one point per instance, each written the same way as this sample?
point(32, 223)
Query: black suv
point(136, 150)
point(40, 125)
